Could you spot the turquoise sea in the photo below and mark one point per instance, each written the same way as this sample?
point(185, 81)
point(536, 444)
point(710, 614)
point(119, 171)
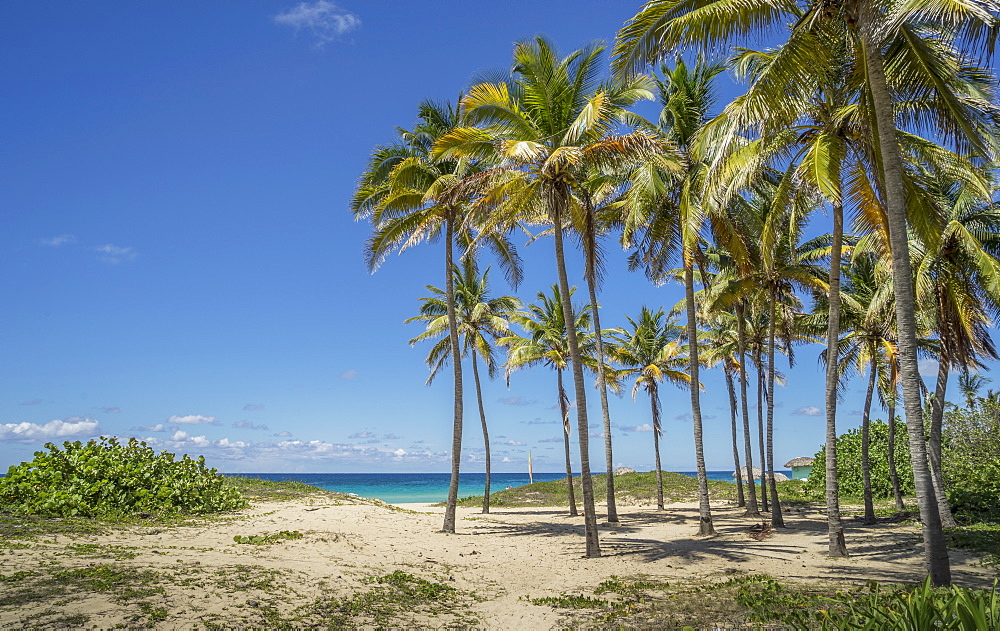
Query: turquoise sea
point(399, 488)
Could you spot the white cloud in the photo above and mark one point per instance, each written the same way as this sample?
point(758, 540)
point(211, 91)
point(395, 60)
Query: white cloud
point(32, 402)
point(58, 240)
point(200, 441)
point(284, 434)
point(115, 254)
point(362, 435)
point(518, 401)
point(30, 432)
point(248, 425)
point(347, 375)
point(809, 410)
point(252, 407)
point(193, 419)
point(159, 427)
point(505, 459)
point(112, 410)
point(645, 427)
point(928, 367)
point(324, 19)
point(514, 443)
point(291, 453)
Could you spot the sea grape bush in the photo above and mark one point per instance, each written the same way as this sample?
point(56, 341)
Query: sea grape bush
point(971, 460)
point(104, 478)
point(849, 463)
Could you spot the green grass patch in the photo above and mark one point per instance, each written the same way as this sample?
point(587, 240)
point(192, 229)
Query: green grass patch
point(629, 487)
point(257, 490)
point(126, 583)
point(396, 599)
point(758, 600)
point(981, 538)
point(268, 538)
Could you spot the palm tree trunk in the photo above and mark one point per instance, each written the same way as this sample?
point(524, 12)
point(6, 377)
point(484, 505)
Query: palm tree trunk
point(654, 405)
point(893, 474)
point(456, 362)
point(752, 509)
point(866, 467)
point(705, 526)
point(741, 499)
point(837, 546)
point(602, 388)
point(557, 198)
point(486, 433)
point(935, 550)
point(777, 519)
point(564, 414)
point(934, 443)
point(765, 503)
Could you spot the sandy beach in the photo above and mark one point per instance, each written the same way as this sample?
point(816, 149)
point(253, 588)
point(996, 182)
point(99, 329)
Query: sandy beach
point(197, 575)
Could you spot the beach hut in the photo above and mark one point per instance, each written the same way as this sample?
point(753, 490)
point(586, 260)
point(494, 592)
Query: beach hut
point(801, 467)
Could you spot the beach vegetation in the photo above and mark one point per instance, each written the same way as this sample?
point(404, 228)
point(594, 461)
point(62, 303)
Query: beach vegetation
point(761, 600)
point(630, 488)
point(971, 462)
point(259, 490)
point(105, 478)
point(268, 538)
point(849, 473)
point(394, 599)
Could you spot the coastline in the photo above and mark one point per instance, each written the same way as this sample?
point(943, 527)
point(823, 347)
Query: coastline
point(495, 564)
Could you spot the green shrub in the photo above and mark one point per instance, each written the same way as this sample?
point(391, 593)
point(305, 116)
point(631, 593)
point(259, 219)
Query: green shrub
point(849, 463)
point(971, 460)
point(104, 478)
point(920, 607)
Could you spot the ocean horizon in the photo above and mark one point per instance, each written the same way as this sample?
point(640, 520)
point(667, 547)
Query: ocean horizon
point(402, 488)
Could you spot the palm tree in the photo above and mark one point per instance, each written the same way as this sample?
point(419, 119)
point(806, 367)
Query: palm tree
point(779, 218)
point(867, 342)
point(669, 212)
point(547, 344)
point(815, 135)
point(969, 385)
point(544, 128)
point(888, 393)
point(481, 320)
point(958, 284)
point(409, 198)
point(903, 30)
point(722, 345)
point(651, 350)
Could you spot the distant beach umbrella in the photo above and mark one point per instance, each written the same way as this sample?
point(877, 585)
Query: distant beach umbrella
point(624, 470)
point(757, 472)
point(780, 477)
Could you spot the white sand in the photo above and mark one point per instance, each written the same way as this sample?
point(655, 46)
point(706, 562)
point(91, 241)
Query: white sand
point(502, 557)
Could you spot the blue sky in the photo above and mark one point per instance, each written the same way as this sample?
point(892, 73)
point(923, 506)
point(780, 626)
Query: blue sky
point(178, 261)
